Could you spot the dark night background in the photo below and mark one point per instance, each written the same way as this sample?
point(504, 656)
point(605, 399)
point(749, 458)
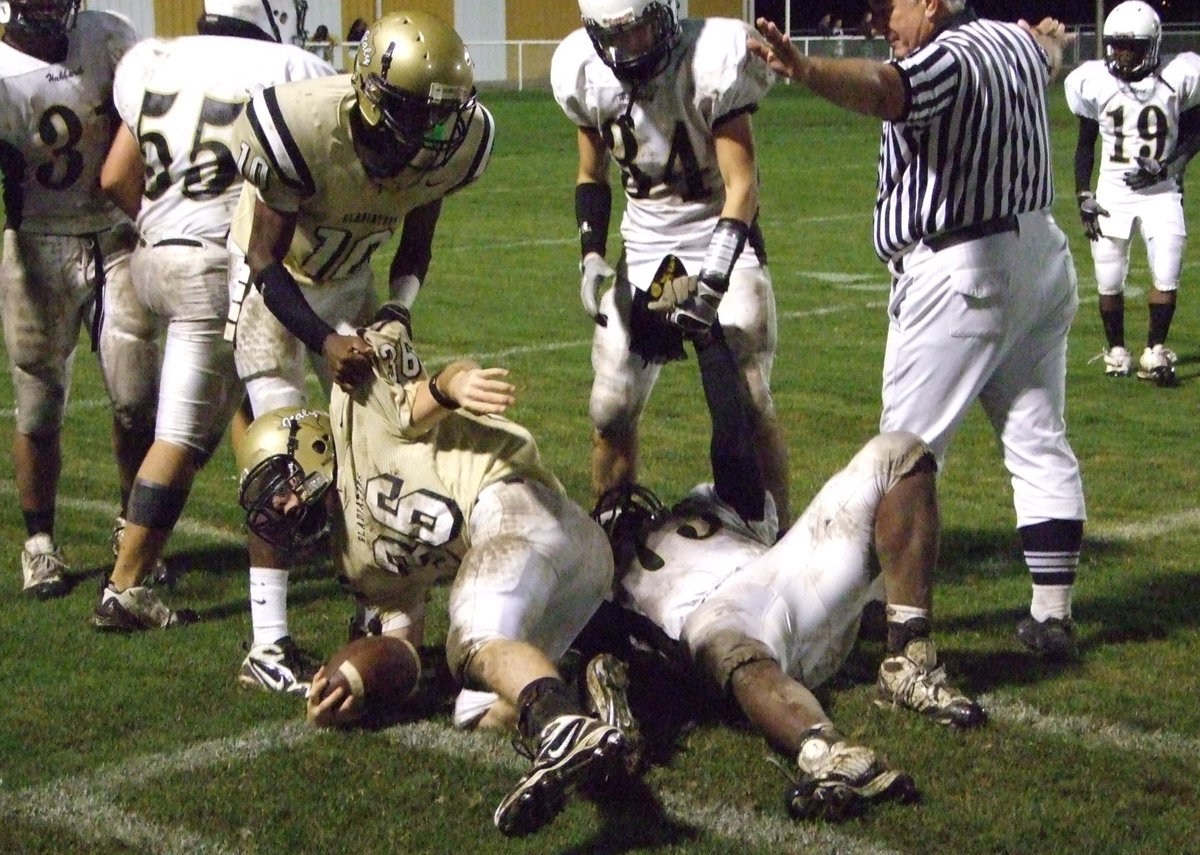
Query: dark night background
point(806, 13)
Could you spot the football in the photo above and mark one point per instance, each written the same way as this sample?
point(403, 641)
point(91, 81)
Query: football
point(379, 670)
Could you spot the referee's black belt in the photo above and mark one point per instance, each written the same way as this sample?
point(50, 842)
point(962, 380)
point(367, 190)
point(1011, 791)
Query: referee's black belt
point(945, 240)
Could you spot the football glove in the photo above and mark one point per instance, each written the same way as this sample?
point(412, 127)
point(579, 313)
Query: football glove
point(1090, 212)
point(697, 313)
point(1148, 173)
point(595, 270)
point(675, 292)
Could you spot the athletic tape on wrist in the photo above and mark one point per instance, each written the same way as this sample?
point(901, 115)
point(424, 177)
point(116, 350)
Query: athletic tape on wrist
point(724, 247)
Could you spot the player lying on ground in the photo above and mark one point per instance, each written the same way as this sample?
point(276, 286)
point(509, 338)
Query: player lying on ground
point(768, 622)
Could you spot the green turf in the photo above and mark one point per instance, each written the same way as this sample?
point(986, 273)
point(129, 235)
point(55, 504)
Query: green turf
point(111, 744)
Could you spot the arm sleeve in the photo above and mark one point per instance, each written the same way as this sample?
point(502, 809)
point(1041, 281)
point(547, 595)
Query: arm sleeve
point(1085, 153)
point(736, 474)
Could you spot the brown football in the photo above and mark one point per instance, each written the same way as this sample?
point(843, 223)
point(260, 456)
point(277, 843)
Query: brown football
point(382, 671)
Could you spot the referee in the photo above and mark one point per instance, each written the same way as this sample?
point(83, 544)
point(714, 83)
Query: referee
point(984, 289)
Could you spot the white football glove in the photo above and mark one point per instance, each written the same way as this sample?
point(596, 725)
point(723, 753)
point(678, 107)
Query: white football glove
point(697, 313)
point(675, 292)
point(595, 270)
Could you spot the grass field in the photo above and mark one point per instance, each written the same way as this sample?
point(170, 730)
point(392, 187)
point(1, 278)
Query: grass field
point(112, 744)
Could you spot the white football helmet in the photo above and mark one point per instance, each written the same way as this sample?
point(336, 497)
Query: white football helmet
point(281, 20)
point(1132, 34)
point(413, 76)
point(287, 463)
point(633, 37)
point(40, 17)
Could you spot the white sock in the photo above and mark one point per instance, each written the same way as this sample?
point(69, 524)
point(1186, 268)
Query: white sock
point(1051, 601)
point(268, 604)
point(903, 614)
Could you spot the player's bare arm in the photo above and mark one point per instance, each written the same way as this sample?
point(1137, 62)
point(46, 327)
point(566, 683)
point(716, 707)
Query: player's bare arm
point(862, 85)
point(121, 176)
point(734, 143)
point(482, 391)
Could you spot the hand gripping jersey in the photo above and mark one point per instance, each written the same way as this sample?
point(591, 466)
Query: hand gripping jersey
point(181, 98)
point(1137, 118)
point(661, 134)
point(56, 124)
point(407, 497)
point(294, 146)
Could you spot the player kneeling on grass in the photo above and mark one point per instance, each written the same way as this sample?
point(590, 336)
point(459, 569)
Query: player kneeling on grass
point(433, 483)
point(767, 622)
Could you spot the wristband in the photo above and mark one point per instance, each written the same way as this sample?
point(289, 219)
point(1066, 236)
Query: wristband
point(441, 397)
point(593, 207)
point(724, 247)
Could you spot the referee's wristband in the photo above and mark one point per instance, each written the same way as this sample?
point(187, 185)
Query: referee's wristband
point(441, 397)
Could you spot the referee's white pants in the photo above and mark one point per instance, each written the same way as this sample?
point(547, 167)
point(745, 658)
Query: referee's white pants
point(987, 320)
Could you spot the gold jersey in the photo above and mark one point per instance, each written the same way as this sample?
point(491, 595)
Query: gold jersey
point(407, 496)
point(296, 152)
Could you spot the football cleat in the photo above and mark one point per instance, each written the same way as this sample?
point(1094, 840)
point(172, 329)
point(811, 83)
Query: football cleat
point(910, 680)
point(280, 667)
point(136, 608)
point(837, 779)
point(1052, 639)
point(607, 681)
point(571, 750)
point(43, 568)
point(1117, 362)
point(161, 574)
point(1157, 365)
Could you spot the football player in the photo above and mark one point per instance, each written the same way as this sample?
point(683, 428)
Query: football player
point(66, 255)
point(432, 483)
point(334, 167)
point(173, 169)
point(768, 622)
point(1146, 115)
point(670, 102)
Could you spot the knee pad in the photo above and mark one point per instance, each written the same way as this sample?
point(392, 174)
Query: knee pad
point(270, 392)
point(1111, 259)
point(41, 406)
point(155, 506)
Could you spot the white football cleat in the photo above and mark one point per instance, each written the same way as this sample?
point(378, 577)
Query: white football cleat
point(43, 567)
point(1118, 362)
point(1158, 365)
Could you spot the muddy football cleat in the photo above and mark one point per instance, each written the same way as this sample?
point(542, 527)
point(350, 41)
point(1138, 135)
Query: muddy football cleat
point(136, 608)
point(43, 568)
point(280, 667)
point(572, 749)
point(911, 680)
point(838, 779)
point(607, 681)
point(1053, 639)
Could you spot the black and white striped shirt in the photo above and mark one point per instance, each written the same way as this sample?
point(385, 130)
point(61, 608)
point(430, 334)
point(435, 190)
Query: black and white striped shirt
point(974, 143)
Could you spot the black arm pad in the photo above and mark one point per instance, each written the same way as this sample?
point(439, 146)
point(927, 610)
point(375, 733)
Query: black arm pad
point(283, 297)
point(593, 208)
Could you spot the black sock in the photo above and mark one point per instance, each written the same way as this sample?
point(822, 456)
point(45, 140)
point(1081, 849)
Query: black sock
point(900, 634)
point(39, 522)
point(542, 701)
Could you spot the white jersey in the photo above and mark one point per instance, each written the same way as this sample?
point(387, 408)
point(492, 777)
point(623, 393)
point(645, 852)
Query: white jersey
point(661, 134)
point(1137, 119)
point(697, 547)
point(56, 125)
point(180, 98)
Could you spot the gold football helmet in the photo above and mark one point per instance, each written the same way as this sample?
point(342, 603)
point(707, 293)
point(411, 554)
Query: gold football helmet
point(413, 76)
point(287, 465)
point(40, 17)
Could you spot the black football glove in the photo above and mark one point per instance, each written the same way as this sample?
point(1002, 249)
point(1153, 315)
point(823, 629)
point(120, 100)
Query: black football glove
point(1090, 212)
point(1148, 173)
